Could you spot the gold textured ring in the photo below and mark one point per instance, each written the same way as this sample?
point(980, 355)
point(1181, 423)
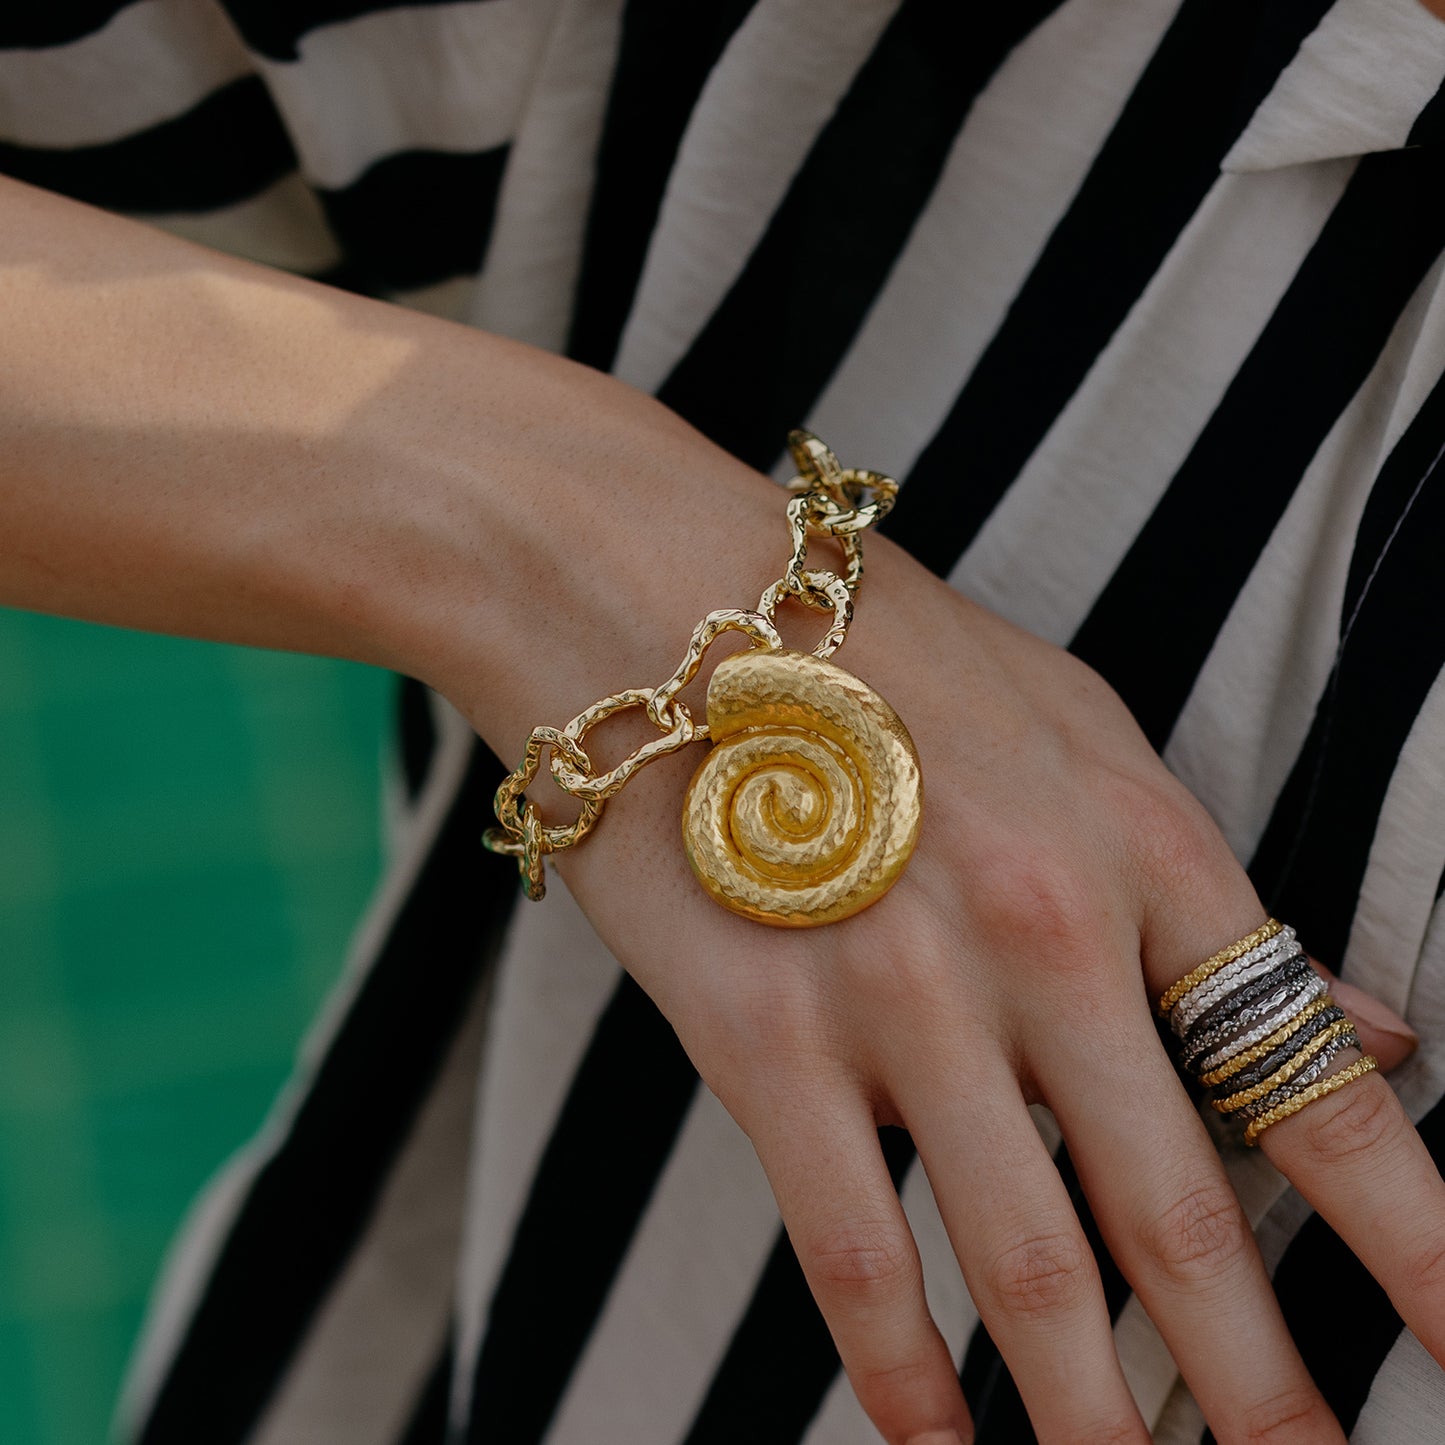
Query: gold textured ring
point(821, 591)
point(1216, 961)
point(1288, 1069)
point(1318, 1090)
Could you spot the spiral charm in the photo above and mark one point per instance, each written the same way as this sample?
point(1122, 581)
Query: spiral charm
point(808, 806)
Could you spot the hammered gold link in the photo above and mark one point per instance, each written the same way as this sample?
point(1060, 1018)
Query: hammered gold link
point(724, 619)
point(586, 784)
point(798, 514)
point(511, 795)
point(848, 522)
point(510, 838)
point(800, 517)
point(818, 468)
point(534, 849)
point(836, 494)
point(837, 590)
point(827, 500)
point(825, 589)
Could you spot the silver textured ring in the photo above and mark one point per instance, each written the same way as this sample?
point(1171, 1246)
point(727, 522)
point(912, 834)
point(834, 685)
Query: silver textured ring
point(1234, 975)
point(1268, 1013)
point(1229, 1048)
point(1266, 1019)
point(1311, 1073)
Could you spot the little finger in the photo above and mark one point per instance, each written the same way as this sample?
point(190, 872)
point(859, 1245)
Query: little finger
point(823, 1160)
point(1382, 1031)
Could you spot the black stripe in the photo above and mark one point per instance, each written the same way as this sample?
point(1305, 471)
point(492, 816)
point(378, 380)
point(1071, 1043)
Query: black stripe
point(1278, 412)
point(1176, 127)
point(1154, 624)
point(428, 1423)
point(1190, 104)
point(767, 352)
point(345, 277)
point(1316, 1273)
point(417, 217)
point(1311, 861)
point(274, 27)
point(416, 734)
point(1332, 275)
point(663, 59)
point(613, 1136)
point(35, 27)
point(225, 149)
point(781, 1359)
point(1429, 126)
point(993, 1397)
point(310, 1203)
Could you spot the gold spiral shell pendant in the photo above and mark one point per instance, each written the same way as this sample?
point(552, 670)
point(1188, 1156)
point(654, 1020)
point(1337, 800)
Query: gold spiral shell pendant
point(808, 806)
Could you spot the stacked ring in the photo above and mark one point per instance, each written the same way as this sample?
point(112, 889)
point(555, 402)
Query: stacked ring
point(1257, 1026)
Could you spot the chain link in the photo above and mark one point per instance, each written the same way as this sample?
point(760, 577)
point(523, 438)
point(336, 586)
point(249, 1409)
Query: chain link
point(828, 501)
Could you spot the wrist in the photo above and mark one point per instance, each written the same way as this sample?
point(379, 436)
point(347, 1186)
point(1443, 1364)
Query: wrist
point(574, 549)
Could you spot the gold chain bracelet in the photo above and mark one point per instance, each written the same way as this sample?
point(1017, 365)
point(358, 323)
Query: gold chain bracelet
point(808, 806)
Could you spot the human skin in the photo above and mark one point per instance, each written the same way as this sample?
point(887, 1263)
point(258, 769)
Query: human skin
point(190, 444)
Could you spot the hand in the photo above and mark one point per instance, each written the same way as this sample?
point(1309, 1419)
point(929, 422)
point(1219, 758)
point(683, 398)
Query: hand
point(201, 446)
point(1062, 881)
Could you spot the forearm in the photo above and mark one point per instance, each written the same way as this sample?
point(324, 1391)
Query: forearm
point(192, 444)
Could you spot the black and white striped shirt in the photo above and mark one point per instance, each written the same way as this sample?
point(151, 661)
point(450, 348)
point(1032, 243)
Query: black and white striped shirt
point(1143, 301)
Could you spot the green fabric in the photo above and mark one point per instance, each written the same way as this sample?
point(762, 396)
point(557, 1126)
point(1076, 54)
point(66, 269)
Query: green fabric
point(187, 834)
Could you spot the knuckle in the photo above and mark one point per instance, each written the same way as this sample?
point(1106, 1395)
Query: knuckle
point(1292, 1417)
point(1041, 903)
point(1111, 1432)
point(1044, 1275)
point(1199, 1235)
point(1355, 1121)
point(1172, 834)
point(1425, 1267)
point(772, 1016)
point(916, 971)
point(902, 1382)
point(862, 1260)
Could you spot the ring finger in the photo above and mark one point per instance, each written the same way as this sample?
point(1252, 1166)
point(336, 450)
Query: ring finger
point(1354, 1154)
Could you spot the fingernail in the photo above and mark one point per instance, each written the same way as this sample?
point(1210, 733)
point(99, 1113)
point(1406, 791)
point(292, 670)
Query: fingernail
point(1365, 1008)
